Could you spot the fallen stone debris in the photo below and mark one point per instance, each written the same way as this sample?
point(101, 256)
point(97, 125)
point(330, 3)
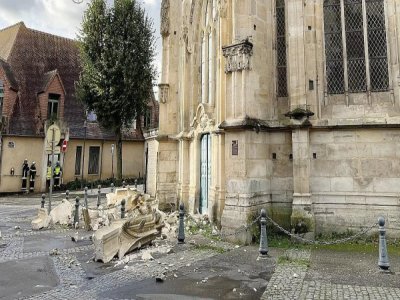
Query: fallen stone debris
point(142, 223)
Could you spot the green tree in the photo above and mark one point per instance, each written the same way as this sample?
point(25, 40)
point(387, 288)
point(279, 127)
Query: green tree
point(117, 54)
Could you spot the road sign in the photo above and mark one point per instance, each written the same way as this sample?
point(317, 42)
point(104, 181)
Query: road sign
point(53, 135)
point(64, 146)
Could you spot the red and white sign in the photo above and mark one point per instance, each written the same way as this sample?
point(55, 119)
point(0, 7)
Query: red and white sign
point(64, 146)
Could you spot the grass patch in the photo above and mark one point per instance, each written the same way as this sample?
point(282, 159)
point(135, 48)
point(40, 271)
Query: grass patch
point(203, 247)
point(365, 245)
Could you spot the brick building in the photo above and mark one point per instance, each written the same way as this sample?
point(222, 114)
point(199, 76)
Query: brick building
point(38, 72)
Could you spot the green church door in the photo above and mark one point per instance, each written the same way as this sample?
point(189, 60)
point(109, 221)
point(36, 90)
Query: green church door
point(205, 172)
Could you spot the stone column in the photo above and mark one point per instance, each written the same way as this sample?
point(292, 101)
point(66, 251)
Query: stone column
point(302, 218)
point(184, 167)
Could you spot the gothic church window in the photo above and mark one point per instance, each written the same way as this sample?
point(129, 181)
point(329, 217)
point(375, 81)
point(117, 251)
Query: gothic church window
point(281, 49)
point(355, 46)
point(206, 53)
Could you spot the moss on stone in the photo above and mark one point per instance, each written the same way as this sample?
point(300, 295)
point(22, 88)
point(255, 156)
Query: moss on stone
point(302, 222)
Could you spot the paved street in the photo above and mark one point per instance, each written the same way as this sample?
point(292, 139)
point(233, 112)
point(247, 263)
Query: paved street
point(195, 270)
point(199, 269)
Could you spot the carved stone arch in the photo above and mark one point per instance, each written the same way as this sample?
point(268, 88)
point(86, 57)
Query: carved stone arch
point(202, 122)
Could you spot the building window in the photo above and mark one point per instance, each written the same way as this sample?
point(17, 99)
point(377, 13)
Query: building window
point(91, 116)
point(147, 118)
point(281, 48)
point(361, 38)
point(1, 95)
point(78, 160)
point(52, 106)
point(94, 160)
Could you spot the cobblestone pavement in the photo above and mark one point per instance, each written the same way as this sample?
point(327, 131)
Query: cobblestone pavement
point(70, 271)
point(296, 280)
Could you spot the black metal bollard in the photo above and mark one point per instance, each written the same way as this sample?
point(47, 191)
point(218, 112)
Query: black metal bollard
point(124, 184)
point(383, 261)
point(123, 208)
point(135, 183)
point(263, 238)
point(112, 187)
point(86, 196)
point(43, 201)
point(98, 196)
point(181, 230)
point(76, 218)
point(67, 194)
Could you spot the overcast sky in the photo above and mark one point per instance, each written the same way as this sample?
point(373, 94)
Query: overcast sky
point(62, 17)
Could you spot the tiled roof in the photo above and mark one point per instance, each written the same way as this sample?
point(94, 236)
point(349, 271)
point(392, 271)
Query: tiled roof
point(7, 38)
point(9, 74)
point(47, 79)
point(35, 58)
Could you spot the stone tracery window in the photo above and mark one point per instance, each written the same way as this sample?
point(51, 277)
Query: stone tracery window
point(281, 49)
point(355, 46)
point(207, 53)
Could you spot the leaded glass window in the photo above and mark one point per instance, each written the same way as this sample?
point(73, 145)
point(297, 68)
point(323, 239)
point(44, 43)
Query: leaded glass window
point(333, 47)
point(281, 48)
point(362, 19)
point(355, 46)
point(377, 45)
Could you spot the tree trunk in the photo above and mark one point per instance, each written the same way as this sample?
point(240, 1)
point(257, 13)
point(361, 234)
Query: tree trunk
point(119, 152)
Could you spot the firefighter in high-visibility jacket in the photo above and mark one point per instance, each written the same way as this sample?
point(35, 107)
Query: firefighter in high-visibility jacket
point(57, 175)
point(48, 175)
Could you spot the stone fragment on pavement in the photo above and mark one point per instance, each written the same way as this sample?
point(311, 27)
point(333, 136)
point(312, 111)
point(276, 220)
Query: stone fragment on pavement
point(62, 213)
point(147, 256)
point(54, 252)
point(42, 221)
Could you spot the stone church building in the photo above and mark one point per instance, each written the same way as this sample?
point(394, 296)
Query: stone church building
point(292, 105)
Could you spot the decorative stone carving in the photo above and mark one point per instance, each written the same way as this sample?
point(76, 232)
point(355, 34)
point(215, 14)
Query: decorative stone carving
point(163, 89)
point(223, 8)
point(143, 222)
point(186, 36)
point(202, 120)
point(164, 27)
point(238, 56)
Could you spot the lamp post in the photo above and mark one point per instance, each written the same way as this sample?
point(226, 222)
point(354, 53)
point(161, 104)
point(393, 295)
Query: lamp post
point(84, 144)
point(112, 161)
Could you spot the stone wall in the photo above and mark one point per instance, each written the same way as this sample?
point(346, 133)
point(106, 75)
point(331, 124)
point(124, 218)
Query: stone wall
point(355, 177)
point(323, 168)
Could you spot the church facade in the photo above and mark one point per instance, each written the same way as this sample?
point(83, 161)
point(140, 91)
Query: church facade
point(292, 105)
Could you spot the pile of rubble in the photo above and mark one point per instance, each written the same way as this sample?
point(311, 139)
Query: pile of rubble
point(118, 232)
